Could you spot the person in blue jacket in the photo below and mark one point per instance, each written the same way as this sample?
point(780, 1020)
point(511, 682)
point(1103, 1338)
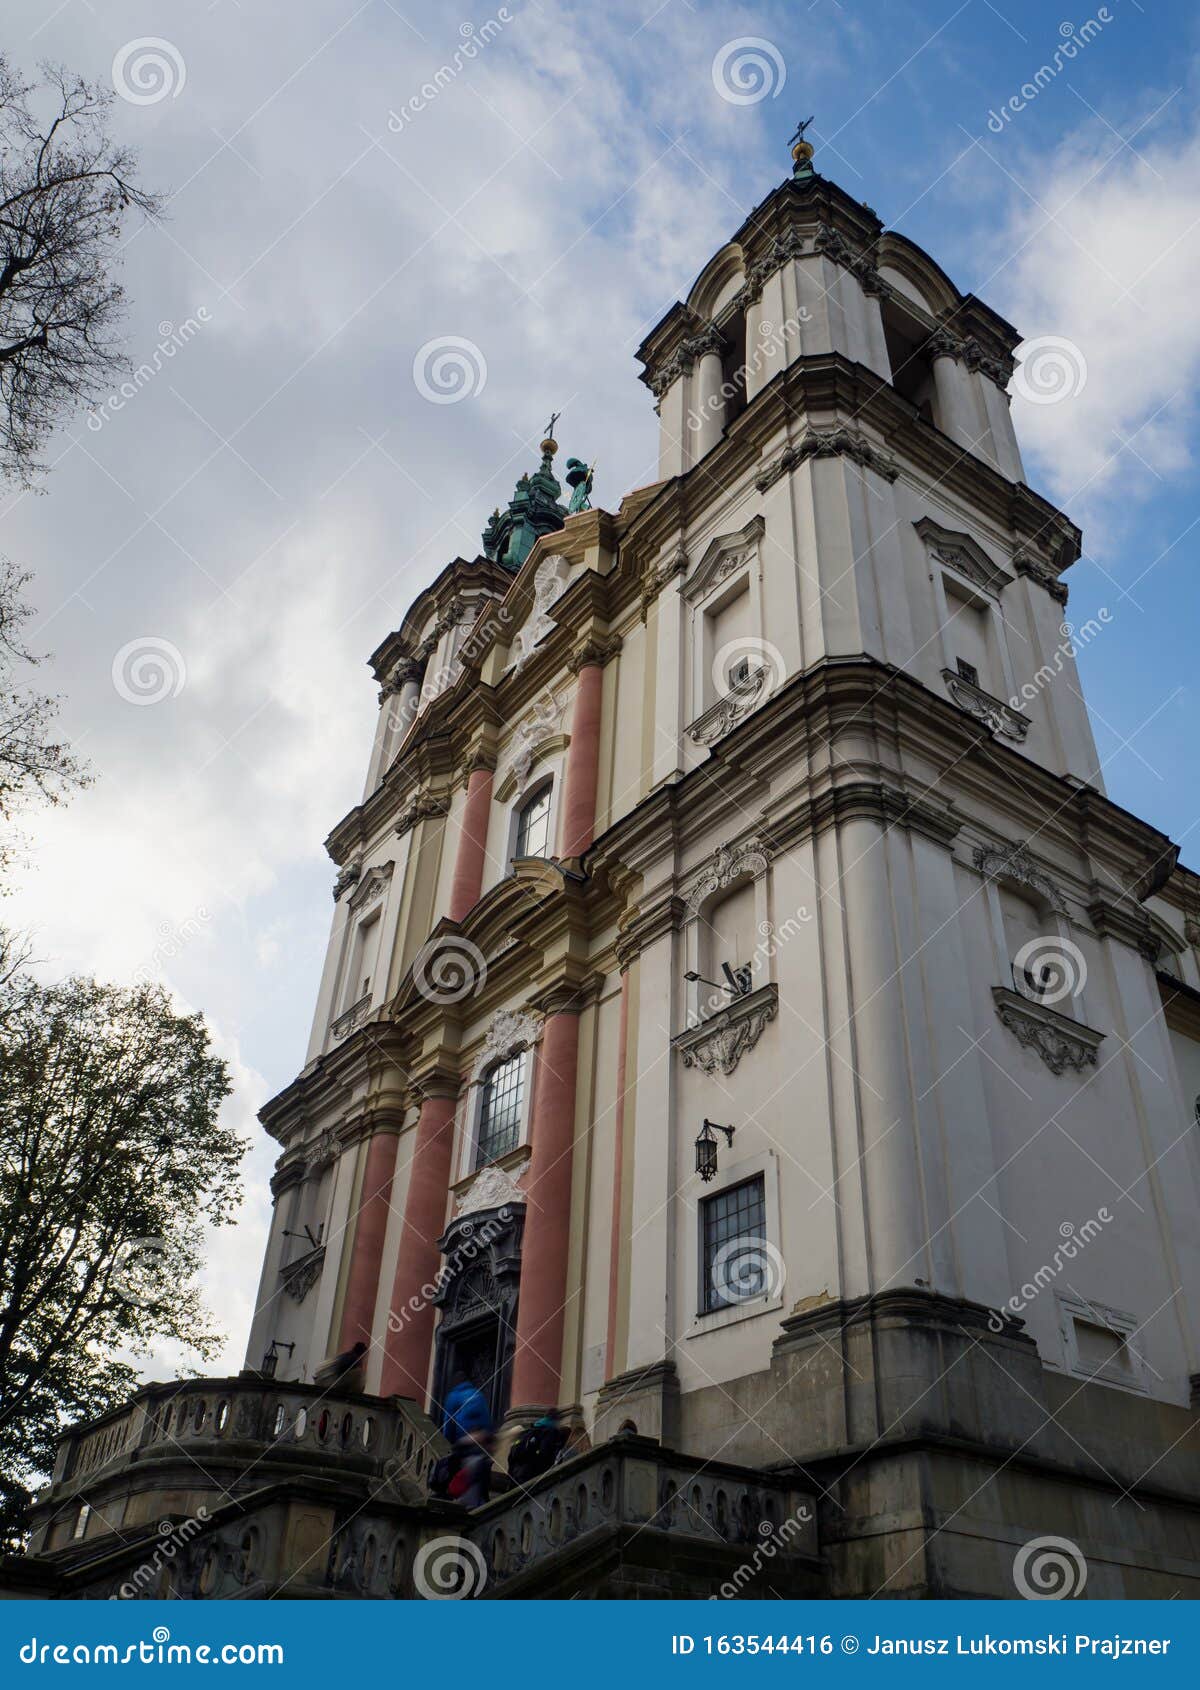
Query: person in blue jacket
point(465, 1411)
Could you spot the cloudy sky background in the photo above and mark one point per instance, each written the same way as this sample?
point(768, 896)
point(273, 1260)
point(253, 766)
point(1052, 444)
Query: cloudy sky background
point(272, 501)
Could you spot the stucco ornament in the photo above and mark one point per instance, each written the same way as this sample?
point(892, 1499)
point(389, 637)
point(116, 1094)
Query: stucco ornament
point(549, 584)
point(494, 1188)
point(724, 866)
point(719, 1043)
point(541, 722)
point(1013, 862)
point(1060, 1042)
point(511, 1029)
point(300, 1277)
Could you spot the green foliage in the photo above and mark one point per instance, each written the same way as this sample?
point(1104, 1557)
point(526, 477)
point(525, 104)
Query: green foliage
point(113, 1161)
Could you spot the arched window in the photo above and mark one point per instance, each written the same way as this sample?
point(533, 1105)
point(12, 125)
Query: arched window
point(500, 1109)
point(533, 826)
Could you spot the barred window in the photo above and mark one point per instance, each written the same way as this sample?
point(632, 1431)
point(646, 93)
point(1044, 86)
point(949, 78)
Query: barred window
point(500, 1111)
point(533, 826)
point(732, 1232)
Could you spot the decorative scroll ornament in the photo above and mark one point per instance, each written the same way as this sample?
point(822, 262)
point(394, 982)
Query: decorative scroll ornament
point(723, 716)
point(352, 1019)
point(1013, 862)
point(1041, 577)
point(725, 865)
point(347, 876)
point(720, 1041)
point(299, 1277)
point(542, 721)
point(511, 1029)
point(1001, 718)
point(494, 1188)
point(1060, 1042)
point(322, 1151)
point(828, 443)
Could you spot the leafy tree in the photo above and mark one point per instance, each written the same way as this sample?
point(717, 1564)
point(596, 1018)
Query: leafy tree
point(65, 190)
point(113, 1159)
point(33, 763)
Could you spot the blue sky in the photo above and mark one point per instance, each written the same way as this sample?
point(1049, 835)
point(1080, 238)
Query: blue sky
point(264, 510)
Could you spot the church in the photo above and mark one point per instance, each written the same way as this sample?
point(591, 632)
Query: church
point(748, 1030)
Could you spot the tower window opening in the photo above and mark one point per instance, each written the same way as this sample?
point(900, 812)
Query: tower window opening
point(733, 366)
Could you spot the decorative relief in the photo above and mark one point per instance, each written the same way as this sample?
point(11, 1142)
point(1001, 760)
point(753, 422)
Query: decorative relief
point(1013, 862)
point(347, 876)
point(726, 864)
point(729, 710)
point(1001, 718)
point(722, 557)
point(541, 722)
point(321, 1152)
point(352, 1018)
point(722, 1039)
point(654, 580)
point(1060, 1042)
point(420, 809)
point(549, 584)
point(511, 1029)
point(300, 1276)
point(1042, 577)
point(828, 443)
point(494, 1188)
point(962, 554)
point(372, 887)
point(833, 245)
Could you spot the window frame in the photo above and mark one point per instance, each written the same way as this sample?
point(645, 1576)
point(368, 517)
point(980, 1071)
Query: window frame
point(542, 793)
point(481, 1156)
point(710, 1301)
point(764, 1164)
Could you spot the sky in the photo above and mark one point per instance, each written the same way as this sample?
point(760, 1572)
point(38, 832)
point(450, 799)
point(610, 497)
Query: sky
point(363, 304)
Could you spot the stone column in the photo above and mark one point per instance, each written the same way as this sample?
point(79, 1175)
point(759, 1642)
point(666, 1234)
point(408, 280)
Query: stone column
point(614, 1254)
point(472, 844)
point(951, 378)
point(409, 1335)
point(706, 419)
point(397, 708)
point(537, 1364)
point(362, 1283)
point(583, 758)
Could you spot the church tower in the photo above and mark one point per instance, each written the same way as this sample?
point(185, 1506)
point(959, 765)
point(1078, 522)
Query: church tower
point(748, 1027)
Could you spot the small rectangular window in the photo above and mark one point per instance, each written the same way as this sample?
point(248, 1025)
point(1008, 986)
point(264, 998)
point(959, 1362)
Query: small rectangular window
point(732, 1224)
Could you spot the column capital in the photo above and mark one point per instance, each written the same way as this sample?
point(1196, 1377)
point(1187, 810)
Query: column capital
point(595, 650)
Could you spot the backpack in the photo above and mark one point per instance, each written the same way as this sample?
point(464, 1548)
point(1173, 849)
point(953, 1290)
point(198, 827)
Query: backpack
point(533, 1453)
point(444, 1470)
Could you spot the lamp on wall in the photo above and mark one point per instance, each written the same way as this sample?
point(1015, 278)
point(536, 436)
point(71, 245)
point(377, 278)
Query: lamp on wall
point(737, 981)
point(271, 1360)
point(706, 1148)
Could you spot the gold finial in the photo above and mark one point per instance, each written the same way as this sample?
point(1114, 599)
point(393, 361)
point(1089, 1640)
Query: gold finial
point(802, 151)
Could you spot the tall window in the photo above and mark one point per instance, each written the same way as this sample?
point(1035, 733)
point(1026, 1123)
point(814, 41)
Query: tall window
point(500, 1110)
point(533, 826)
point(733, 1229)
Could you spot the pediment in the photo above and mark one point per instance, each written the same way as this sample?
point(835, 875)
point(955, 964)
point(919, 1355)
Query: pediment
point(966, 556)
point(721, 557)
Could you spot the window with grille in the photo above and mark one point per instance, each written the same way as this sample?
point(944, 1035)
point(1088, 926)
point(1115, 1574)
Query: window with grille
point(732, 1224)
point(533, 826)
point(500, 1110)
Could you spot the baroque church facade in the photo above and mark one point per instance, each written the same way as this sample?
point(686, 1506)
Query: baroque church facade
point(747, 1027)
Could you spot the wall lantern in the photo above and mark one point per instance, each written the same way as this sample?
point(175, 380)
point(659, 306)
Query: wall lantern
point(737, 982)
point(706, 1148)
point(271, 1360)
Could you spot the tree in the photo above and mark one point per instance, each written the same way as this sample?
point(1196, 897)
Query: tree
point(65, 190)
point(113, 1160)
point(33, 764)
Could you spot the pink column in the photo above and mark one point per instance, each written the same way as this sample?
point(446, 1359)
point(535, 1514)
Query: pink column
point(583, 763)
point(409, 1333)
point(614, 1255)
point(472, 844)
point(362, 1282)
point(537, 1364)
